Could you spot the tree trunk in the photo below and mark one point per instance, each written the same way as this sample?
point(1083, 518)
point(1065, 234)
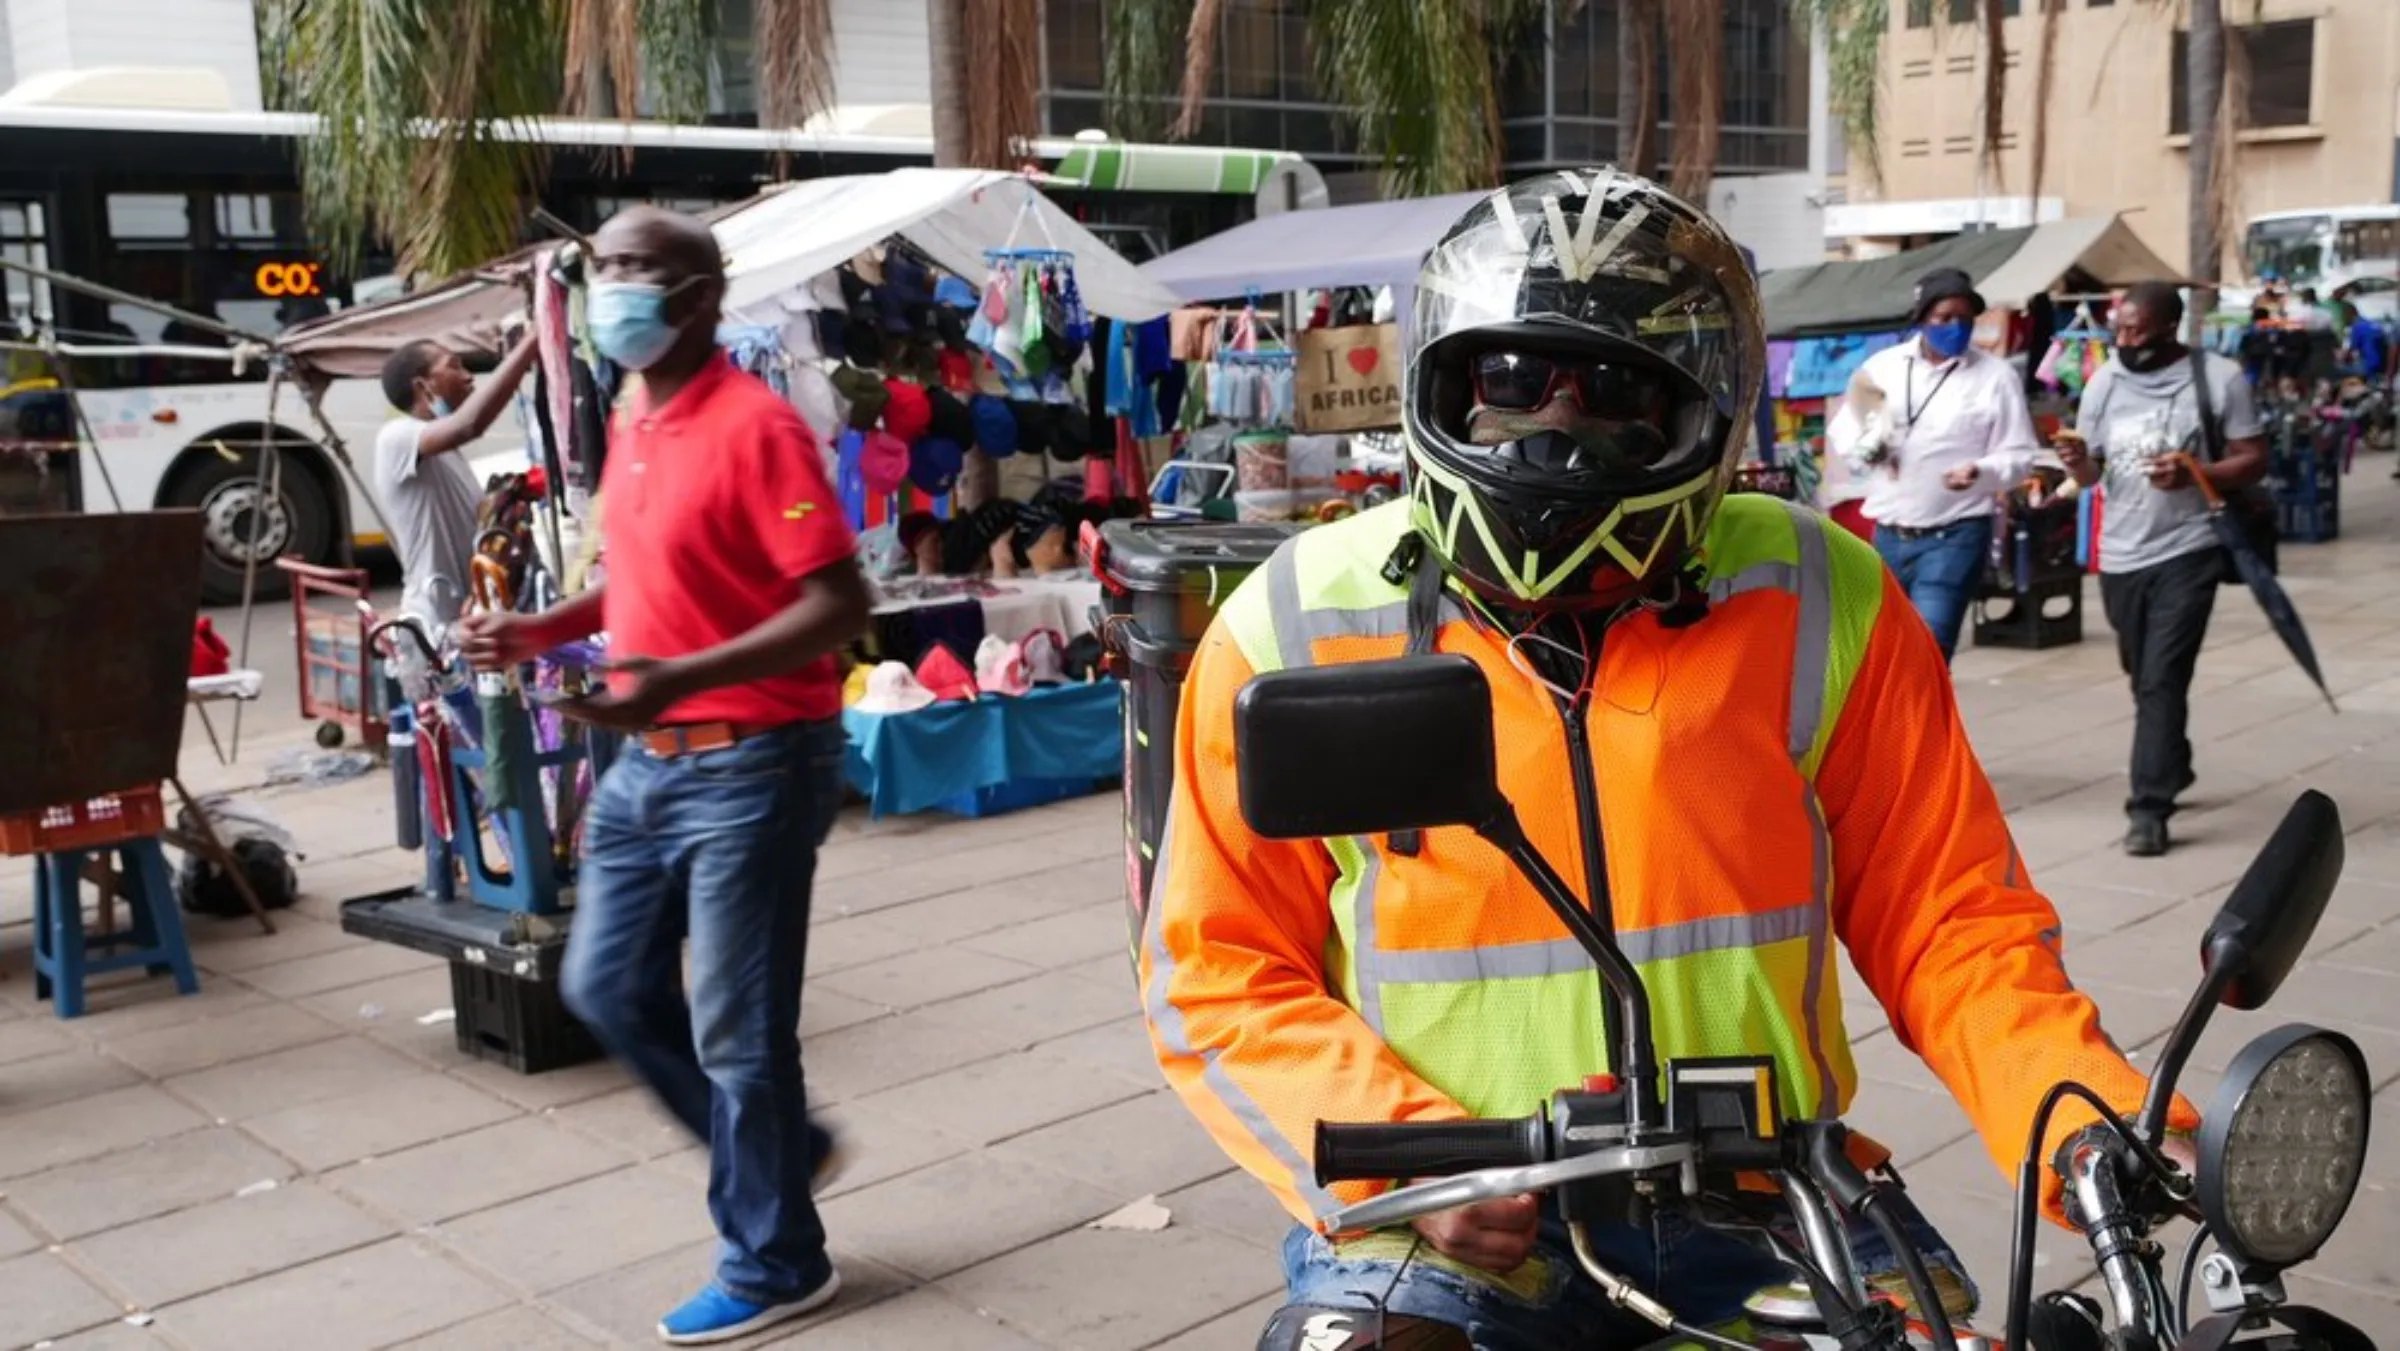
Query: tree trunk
point(2204, 88)
point(945, 32)
point(1637, 86)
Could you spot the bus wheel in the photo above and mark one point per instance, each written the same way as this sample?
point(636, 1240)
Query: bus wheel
point(239, 523)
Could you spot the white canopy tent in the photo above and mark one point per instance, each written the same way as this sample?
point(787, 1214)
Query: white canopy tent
point(1371, 244)
point(785, 238)
point(775, 244)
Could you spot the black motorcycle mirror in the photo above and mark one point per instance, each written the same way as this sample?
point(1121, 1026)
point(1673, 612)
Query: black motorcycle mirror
point(1368, 748)
point(2257, 937)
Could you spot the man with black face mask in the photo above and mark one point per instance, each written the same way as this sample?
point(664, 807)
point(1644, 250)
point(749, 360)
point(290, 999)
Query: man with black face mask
point(2160, 562)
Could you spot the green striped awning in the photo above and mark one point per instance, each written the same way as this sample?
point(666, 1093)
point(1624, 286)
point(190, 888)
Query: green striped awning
point(1119, 166)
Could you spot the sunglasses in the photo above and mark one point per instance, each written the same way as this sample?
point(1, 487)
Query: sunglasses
point(1522, 382)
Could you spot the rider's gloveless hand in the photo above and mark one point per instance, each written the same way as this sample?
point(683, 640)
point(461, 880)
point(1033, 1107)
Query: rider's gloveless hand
point(1493, 1235)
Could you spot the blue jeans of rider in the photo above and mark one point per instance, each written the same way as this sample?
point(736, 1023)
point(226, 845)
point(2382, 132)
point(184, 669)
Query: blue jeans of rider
point(1938, 570)
point(1700, 1274)
point(719, 846)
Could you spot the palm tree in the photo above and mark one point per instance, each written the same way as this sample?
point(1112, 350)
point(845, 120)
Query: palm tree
point(1696, 49)
point(426, 106)
point(1637, 85)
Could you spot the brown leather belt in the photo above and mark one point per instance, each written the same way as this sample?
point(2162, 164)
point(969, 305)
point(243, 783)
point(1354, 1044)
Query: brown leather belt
point(695, 737)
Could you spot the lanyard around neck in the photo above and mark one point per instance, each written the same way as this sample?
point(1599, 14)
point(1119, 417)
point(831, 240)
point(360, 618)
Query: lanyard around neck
point(1909, 397)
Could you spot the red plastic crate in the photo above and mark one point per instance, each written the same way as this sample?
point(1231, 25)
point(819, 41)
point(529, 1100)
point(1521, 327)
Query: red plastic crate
point(126, 815)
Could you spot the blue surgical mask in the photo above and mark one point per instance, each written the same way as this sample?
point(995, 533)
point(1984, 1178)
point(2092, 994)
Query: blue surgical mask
point(1947, 340)
point(443, 407)
point(629, 322)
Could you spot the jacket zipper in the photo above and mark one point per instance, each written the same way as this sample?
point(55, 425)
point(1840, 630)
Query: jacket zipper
point(1595, 855)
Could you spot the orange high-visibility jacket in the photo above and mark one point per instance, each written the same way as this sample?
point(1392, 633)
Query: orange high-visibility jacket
point(1789, 770)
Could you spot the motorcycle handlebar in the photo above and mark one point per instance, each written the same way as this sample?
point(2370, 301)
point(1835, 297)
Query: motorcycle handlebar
point(1382, 1151)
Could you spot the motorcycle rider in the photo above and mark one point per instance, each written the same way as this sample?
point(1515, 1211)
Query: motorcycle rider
point(1719, 716)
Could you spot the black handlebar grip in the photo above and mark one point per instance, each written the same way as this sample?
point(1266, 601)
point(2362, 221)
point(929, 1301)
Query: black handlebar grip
point(1381, 1151)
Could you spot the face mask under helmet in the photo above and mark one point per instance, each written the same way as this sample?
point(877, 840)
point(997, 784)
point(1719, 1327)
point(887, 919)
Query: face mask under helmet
point(1587, 355)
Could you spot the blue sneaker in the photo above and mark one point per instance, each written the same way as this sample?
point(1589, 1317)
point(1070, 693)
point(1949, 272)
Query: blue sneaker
point(714, 1315)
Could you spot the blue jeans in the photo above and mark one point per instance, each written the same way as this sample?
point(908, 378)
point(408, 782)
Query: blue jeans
point(721, 847)
point(1939, 572)
point(1702, 1275)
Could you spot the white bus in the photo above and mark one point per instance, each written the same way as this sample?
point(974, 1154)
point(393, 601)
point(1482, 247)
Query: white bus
point(2344, 252)
point(201, 211)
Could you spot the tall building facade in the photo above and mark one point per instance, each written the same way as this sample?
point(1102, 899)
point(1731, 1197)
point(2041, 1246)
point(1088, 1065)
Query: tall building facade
point(2320, 118)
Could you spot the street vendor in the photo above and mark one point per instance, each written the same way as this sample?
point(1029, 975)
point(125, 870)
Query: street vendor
point(732, 583)
point(422, 478)
point(1952, 430)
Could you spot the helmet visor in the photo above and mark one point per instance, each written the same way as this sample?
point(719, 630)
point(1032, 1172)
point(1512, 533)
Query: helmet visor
point(1612, 416)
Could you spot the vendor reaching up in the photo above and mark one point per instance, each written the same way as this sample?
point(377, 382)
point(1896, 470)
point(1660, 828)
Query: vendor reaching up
point(428, 491)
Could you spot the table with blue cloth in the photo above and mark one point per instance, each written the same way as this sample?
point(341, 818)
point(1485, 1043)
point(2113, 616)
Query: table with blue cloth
point(984, 756)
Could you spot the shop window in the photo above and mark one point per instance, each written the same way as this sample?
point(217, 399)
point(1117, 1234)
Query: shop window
point(25, 238)
point(1075, 42)
point(2283, 68)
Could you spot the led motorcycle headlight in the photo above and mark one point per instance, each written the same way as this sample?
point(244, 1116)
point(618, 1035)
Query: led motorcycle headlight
point(2283, 1145)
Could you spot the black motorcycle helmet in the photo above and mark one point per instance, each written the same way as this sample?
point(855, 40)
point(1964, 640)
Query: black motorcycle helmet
point(1599, 287)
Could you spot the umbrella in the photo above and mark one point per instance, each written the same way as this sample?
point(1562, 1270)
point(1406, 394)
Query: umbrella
point(2264, 588)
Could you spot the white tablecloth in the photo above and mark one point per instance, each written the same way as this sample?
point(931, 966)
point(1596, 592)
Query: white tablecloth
point(1024, 605)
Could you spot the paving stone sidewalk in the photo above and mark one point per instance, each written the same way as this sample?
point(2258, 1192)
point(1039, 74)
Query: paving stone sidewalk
point(297, 1157)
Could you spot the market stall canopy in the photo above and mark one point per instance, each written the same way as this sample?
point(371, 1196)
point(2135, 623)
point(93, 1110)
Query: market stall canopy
point(2009, 267)
point(774, 243)
point(782, 239)
point(1372, 244)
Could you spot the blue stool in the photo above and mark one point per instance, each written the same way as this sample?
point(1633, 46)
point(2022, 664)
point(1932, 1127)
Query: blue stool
point(63, 954)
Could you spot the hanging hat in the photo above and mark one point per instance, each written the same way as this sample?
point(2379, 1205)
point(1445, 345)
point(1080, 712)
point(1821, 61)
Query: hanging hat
point(951, 329)
point(933, 464)
point(995, 426)
point(951, 420)
point(883, 462)
point(866, 393)
point(893, 688)
point(1043, 654)
point(999, 669)
point(954, 293)
point(956, 370)
point(1034, 425)
point(907, 415)
point(1074, 428)
point(940, 671)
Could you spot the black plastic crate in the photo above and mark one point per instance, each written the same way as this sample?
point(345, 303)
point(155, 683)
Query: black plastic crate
point(2310, 522)
point(2049, 615)
point(519, 1023)
point(503, 974)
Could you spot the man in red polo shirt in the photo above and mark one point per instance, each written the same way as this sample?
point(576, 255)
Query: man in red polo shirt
point(731, 584)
